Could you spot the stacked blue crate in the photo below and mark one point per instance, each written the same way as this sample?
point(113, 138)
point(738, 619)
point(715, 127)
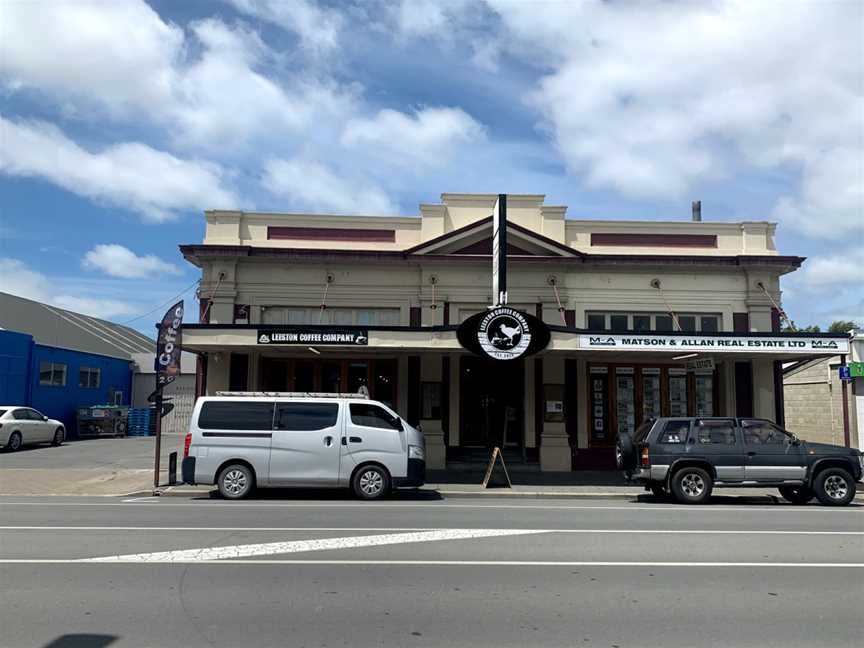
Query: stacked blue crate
point(139, 422)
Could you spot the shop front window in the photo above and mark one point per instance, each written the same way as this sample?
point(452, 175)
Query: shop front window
point(331, 377)
point(641, 323)
point(597, 322)
point(626, 402)
point(619, 322)
point(384, 382)
point(704, 395)
point(358, 377)
point(650, 393)
point(677, 394)
point(663, 323)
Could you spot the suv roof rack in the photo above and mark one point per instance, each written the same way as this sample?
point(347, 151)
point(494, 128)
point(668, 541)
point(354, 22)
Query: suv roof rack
point(292, 394)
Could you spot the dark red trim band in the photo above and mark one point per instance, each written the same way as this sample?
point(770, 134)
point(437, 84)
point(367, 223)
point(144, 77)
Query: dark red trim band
point(331, 234)
point(655, 240)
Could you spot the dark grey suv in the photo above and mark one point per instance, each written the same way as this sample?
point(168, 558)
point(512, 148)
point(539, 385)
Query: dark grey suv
point(690, 456)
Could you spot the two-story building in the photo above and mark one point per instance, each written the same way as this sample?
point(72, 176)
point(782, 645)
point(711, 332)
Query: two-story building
point(647, 318)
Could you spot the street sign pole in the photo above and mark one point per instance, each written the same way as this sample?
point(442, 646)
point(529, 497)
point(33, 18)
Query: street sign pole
point(499, 251)
point(157, 401)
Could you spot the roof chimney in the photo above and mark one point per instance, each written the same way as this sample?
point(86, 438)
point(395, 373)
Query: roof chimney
point(697, 211)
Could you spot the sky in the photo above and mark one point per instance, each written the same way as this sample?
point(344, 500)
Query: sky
point(121, 121)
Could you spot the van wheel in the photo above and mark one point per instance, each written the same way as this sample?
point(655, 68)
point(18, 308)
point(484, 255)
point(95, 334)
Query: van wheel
point(692, 485)
point(371, 483)
point(796, 494)
point(236, 481)
point(834, 487)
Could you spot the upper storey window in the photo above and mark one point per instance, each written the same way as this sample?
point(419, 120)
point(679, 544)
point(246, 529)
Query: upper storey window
point(291, 315)
point(641, 322)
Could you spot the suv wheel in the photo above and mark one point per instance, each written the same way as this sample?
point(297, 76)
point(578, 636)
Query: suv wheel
point(797, 494)
point(625, 452)
point(236, 481)
point(834, 487)
point(692, 485)
point(371, 483)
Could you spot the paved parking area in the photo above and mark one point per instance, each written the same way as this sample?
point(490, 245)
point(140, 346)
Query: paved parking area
point(91, 466)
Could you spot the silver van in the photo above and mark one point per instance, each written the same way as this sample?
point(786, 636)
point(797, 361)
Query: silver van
point(243, 440)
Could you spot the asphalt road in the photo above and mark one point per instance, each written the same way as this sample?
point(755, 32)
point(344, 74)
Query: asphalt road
point(424, 572)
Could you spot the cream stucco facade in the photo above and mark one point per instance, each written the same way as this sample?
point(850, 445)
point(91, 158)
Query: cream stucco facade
point(409, 281)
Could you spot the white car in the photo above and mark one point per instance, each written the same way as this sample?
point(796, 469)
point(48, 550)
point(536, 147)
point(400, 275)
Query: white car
point(24, 425)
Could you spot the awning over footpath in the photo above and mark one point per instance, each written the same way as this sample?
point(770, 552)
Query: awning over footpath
point(600, 345)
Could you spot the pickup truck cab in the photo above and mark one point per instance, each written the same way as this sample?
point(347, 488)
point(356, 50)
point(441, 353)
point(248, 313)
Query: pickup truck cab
point(690, 456)
point(243, 440)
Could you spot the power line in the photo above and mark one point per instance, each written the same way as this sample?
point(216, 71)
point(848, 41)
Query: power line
point(185, 290)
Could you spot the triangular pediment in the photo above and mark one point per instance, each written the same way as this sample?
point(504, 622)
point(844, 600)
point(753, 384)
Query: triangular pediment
point(476, 240)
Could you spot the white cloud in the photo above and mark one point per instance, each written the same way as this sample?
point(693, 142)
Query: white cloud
point(120, 51)
point(310, 184)
point(427, 138)
point(16, 278)
point(119, 261)
point(130, 175)
point(316, 27)
point(206, 85)
point(841, 270)
point(648, 99)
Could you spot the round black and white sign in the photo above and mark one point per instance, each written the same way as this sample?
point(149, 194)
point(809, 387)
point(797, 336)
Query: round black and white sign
point(503, 333)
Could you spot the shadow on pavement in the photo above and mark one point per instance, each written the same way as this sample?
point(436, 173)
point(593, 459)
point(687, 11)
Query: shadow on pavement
point(324, 495)
point(607, 478)
point(82, 641)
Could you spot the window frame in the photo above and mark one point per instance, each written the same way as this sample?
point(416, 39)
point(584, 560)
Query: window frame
point(89, 372)
point(653, 317)
point(684, 434)
point(694, 432)
point(308, 404)
point(394, 418)
point(206, 425)
point(53, 368)
point(788, 436)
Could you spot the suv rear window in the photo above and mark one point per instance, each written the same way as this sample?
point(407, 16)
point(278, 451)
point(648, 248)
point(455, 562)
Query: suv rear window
point(675, 431)
point(236, 415)
point(643, 430)
point(306, 417)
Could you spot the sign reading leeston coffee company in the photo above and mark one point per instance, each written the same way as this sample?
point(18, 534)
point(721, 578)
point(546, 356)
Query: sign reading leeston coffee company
point(503, 333)
point(307, 336)
point(724, 344)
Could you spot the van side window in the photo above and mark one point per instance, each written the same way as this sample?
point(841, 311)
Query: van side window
point(372, 416)
point(305, 417)
point(236, 415)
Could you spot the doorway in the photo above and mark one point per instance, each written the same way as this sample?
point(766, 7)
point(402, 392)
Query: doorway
point(491, 403)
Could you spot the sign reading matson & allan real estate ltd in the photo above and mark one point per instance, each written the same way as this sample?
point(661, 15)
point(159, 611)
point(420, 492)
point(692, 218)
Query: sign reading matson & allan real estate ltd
point(724, 344)
point(318, 336)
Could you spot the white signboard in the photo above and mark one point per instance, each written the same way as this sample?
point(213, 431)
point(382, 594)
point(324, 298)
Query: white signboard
point(731, 344)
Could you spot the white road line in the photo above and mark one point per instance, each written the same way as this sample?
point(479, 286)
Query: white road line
point(141, 499)
point(716, 508)
point(415, 529)
point(322, 544)
point(435, 563)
